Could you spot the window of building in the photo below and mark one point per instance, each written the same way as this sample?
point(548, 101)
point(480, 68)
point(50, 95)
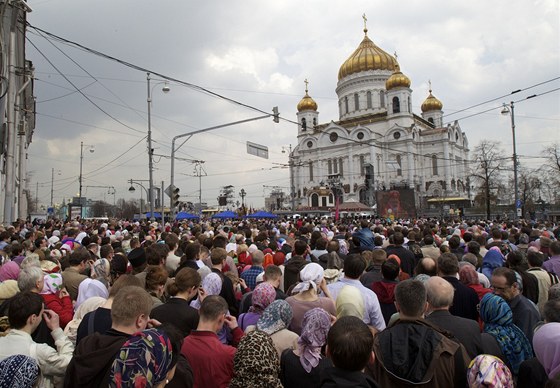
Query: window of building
point(335, 166)
point(324, 201)
point(409, 105)
point(303, 124)
point(434, 165)
point(314, 200)
point(397, 135)
point(309, 144)
point(340, 168)
point(369, 101)
point(345, 104)
point(399, 162)
point(360, 135)
point(329, 167)
point(382, 99)
point(333, 137)
point(311, 171)
point(396, 105)
point(314, 122)
point(362, 165)
point(431, 120)
point(356, 101)
point(331, 198)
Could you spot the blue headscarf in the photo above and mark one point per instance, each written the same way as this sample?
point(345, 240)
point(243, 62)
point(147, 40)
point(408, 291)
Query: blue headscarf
point(18, 371)
point(492, 260)
point(498, 321)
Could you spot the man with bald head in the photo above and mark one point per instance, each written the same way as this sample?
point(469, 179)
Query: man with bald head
point(466, 331)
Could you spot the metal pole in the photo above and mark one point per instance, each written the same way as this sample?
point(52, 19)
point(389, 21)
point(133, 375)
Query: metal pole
point(150, 161)
point(52, 188)
point(200, 189)
point(292, 188)
point(81, 162)
point(37, 197)
point(514, 159)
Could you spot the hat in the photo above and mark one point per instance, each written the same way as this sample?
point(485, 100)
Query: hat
point(18, 371)
point(53, 240)
point(118, 265)
point(137, 257)
point(56, 233)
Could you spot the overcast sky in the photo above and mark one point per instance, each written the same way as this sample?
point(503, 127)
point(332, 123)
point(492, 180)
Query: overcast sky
point(259, 53)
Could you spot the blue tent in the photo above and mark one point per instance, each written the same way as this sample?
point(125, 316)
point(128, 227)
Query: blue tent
point(186, 216)
point(261, 214)
point(148, 215)
point(226, 214)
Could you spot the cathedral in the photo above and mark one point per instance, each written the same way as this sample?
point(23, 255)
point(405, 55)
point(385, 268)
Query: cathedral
point(378, 145)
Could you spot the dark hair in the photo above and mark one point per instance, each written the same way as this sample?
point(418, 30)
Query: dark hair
point(212, 307)
point(398, 238)
point(300, 247)
point(77, 257)
point(555, 248)
point(321, 243)
point(390, 269)
point(354, 266)
point(507, 273)
point(105, 250)
point(124, 281)
point(185, 279)
point(218, 255)
point(219, 242)
point(350, 343)
point(156, 254)
point(454, 242)
point(272, 272)
point(551, 310)
point(473, 247)
point(176, 338)
point(22, 306)
point(172, 241)
point(535, 259)
point(155, 276)
point(411, 296)
point(448, 264)
point(428, 239)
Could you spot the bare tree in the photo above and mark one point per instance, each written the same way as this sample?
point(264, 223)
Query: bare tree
point(487, 169)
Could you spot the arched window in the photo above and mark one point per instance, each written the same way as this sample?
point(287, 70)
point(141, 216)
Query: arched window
point(434, 165)
point(369, 102)
point(399, 162)
point(314, 200)
point(329, 166)
point(311, 171)
point(363, 196)
point(382, 99)
point(331, 198)
point(431, 120)
point(396, 105)
point(356, 101)
point(345, 104)
point(314, 122)
point(340, 168)
point(303, 124)
point(409, 105)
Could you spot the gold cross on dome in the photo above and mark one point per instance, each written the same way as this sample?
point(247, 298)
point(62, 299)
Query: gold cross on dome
point(396, 56)
point(430, 85)
point(306, 83)
point(365, 22)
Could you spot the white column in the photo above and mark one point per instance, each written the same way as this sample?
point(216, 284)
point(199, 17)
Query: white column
point(410, 162)
point(446, 163)
point(350, 169)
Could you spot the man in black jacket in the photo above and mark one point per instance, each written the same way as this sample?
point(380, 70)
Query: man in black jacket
point(465, 299)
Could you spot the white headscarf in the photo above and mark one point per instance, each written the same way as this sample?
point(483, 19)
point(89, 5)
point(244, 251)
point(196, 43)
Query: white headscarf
point(89, 288)
point(311, 276)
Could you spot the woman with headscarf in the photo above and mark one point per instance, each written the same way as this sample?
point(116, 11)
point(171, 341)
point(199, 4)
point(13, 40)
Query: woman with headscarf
point(350, 302)
point(469, 277)
point(274, 321)
point(71, 329)
point(498, 323)
point(9, 271)
point(492, 260)
point(256, 363)
point(547, 349)
point(18, 371)
point(302, 367)
point(57, 298)
point(487, 371)
point(305, 295)
point(102, 271)
point(263, 295)
point(147, 359)
point(89, 288)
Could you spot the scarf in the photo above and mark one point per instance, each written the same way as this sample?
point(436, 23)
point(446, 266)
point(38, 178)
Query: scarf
point(10, 270)
point(277, 316)
point(311, 276)
point(52, 284)
point(18, 371)
point(314, 329)
point(212, 285)
point(350, 302)
point(89, 288)
point(547, 348)
point(263, 295)
point(498, 321)
point(489, 371)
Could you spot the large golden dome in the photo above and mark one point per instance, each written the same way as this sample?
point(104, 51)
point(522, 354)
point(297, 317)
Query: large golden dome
point(431, 103)
point(367, 57)
point(306, 103)
point(397, 79)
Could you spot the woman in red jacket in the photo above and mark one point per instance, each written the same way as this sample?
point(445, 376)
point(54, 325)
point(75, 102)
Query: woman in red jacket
point(57, 298)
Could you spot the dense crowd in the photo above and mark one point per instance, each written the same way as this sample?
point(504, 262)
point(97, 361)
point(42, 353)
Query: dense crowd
point(280, 303)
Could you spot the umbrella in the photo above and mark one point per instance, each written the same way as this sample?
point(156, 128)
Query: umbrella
point(261, 214)
point(149, 215)
point(185, 216)
point(226, 214)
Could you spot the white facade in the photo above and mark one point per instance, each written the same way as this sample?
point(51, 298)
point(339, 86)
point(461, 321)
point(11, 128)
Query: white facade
point(376, 126)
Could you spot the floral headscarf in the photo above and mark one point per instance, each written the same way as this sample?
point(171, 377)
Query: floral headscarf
point(143, 360)
point(89, 288)
point(263, 295)
point(277, 316)
point(547, 348)
point(18, 371)
point(256, 362)
point(498, 321)
point(52, 283)
point(311, 276)
point(102, 271)
point(212, 285)
point(468, 275)
point(489, 371)
point(8, 271)
point(314, 329)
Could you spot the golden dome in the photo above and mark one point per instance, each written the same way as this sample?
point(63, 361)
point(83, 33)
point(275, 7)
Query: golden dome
point(431, 103)
point(306, 103)
point(367, 57)
point(397, 79)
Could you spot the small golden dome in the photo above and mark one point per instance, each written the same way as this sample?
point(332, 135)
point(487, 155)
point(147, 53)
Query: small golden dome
point(367, 57)
point(431, 103)
point(306, 103)
point(397, 79)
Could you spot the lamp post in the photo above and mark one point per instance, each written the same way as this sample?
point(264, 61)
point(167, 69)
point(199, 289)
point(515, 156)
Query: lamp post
point(91, 150)
point(242, 194)
point(52, 186)
point(165, 89)
point(132, 190)
point(510, 110)
point(291, 165)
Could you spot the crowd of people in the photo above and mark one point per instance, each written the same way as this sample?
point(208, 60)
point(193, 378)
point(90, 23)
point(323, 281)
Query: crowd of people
point(280, 303)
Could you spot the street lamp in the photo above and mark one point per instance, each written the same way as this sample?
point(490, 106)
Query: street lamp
point(132, 190)
point(165, 89)
point(291, 165)
point(91, 150)
point(242, 194)
point(505, 111)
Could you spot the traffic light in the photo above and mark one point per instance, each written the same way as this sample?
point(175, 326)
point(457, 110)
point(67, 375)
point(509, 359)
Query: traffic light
point(175, 196)
point(276, 117)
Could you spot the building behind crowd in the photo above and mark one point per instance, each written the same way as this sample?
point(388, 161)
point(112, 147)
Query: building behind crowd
point(378, 143)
